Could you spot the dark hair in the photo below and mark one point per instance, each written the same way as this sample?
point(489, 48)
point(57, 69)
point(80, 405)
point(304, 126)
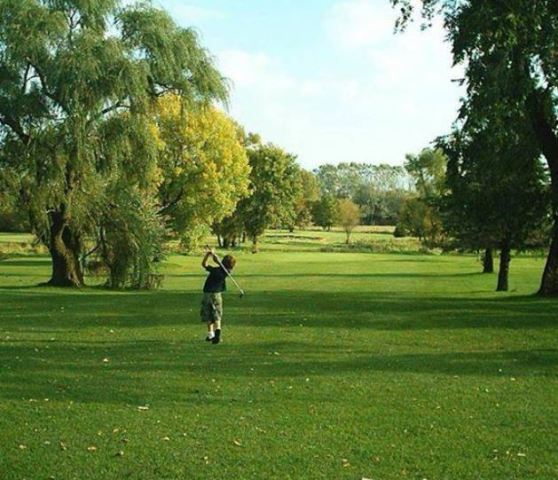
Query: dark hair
point(229, 262)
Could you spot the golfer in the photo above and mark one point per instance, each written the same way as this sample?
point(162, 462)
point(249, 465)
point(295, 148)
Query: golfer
point(212, 301)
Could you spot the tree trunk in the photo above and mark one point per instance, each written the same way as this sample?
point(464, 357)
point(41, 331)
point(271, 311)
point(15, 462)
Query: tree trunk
point(544, 122)
point(254, 244)
point(488, 261)
point(348, 239)
point(504, 271)
point(549, 284)
point(64, 250)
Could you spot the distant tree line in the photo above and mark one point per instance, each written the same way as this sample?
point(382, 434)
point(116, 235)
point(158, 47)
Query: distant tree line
point(378, 190)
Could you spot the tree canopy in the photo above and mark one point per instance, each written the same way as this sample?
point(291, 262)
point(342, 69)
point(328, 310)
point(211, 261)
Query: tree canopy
point(508, 50)
point(77, 80)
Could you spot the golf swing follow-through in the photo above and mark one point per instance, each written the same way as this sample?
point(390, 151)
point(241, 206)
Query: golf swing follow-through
point(229, 274)
point(212, 301)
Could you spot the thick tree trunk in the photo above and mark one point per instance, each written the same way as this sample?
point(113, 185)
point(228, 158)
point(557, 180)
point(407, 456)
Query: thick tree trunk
point(549, 284)
point(544, 126)
point(64, 251)
point(488, 261)
point(504, 271)
point(254, 244)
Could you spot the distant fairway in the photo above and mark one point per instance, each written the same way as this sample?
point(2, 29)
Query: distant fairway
point(334, 366)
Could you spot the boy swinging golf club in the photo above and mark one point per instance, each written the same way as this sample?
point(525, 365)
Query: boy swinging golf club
point(212, 301)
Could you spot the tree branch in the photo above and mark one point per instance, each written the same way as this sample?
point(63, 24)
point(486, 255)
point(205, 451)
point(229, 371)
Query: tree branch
point(171, 204)
point(543, 127)
point(15, 127)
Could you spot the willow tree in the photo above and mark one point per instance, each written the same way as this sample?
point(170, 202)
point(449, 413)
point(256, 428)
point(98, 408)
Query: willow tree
point(77, 80)
point(509, 50)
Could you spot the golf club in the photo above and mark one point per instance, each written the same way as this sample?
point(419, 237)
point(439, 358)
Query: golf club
point(225, 269)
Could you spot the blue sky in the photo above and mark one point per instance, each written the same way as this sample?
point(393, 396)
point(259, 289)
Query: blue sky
point(327, 79)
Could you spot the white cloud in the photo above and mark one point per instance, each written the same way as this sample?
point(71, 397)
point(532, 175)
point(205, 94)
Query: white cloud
point(381, 95)
point(365, 28)
point(359, 23)
point(247, 69)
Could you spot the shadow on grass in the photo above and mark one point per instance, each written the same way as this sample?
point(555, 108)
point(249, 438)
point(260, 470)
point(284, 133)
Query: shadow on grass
point(24, 308)
point(31, 261)
point(142, 371)
point(139, 372)
point(401, 276)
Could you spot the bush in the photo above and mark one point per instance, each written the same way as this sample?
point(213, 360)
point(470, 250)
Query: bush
point(132, 241)
point(400, 232)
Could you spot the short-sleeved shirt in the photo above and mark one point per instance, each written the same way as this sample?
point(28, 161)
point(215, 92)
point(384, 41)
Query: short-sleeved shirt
point(215, 281)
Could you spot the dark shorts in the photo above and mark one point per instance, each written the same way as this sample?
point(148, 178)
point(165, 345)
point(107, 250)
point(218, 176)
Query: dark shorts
point(211, 307)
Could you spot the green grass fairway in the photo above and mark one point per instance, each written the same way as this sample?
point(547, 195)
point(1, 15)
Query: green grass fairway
point(334, 366)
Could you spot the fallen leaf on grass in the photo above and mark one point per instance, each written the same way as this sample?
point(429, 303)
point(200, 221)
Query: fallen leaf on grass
point(63, 446)
point(92, 448)
point(22, 447)
point(166, 439)
point(119, 454)
point(143, 408)
point(237, 443)
point(521, 455)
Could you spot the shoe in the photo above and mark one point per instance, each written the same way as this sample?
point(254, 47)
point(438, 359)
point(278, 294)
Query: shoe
point(208, 338)
point(217, 338)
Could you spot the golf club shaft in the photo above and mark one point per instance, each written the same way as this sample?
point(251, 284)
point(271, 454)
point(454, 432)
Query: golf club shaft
point(225, 269)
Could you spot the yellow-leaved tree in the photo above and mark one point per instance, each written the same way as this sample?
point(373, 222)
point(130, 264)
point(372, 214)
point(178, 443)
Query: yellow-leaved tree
point(204, 167)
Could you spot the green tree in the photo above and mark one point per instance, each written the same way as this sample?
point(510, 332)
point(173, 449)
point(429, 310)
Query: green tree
point(309, 194)
point(76, 83)
point(324, 212)
point(494, 204)
point(275, 186)
point(509, 53)
point(348, 216)
point(420, 214)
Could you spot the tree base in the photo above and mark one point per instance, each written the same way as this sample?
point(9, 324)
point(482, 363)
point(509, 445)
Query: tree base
point(66, 283)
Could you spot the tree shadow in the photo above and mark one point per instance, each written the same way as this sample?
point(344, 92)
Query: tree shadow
point(31, 261)
point(130, 372)
point(28, 309)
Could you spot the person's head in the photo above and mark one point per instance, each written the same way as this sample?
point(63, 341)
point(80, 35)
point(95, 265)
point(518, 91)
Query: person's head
point(229, 262)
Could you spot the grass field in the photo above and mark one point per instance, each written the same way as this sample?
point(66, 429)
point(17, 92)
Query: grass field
point(333, 366)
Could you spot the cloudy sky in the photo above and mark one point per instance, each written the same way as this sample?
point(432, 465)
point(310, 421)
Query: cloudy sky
point(327, 79)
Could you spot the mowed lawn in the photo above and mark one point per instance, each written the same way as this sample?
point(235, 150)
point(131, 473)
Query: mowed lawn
point(333, 366)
